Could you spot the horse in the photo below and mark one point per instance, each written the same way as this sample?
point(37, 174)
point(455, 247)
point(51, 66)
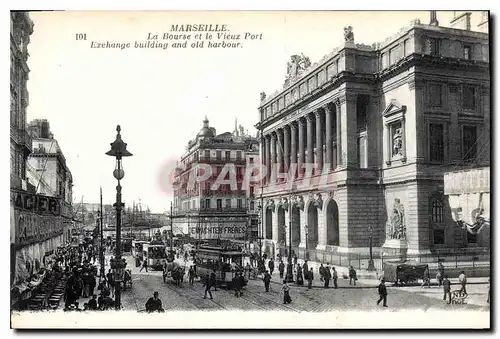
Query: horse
point(169, 267)
point(178, 275)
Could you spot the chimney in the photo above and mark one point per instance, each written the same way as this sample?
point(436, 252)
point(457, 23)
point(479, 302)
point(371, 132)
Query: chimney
point(461, 21)
point(433, 21)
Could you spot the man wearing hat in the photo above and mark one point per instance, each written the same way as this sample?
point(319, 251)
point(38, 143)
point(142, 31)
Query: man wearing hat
point(154, 304)
point(382, 291)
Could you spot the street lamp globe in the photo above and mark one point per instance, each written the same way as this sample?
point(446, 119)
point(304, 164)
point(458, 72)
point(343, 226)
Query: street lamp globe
point(118, 173)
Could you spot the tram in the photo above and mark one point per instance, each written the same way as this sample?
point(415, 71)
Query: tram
point(155, 253)
point(224, 261)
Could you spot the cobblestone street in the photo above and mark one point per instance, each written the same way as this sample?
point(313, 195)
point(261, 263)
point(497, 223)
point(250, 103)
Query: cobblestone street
point(363, 296)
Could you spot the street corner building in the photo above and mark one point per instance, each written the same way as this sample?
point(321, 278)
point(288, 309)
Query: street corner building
point(40, 181)
point(206, 210)
point(382, 124)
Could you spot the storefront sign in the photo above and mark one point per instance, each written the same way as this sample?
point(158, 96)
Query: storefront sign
point(214, 232)
point(464, 182)
point(35, 202)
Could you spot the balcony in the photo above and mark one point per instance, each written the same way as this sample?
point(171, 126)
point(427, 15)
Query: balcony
point(224, 210)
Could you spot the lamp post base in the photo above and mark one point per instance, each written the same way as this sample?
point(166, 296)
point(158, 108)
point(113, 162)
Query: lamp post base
point(371, 266)
point(289, 273)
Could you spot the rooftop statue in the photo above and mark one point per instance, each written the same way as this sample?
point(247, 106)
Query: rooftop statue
point(296, 66)
point(348, 34)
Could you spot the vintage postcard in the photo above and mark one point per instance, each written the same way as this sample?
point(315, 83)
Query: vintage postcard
point(250, 169)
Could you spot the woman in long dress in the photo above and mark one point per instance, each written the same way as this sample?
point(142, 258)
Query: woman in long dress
point(286, 293)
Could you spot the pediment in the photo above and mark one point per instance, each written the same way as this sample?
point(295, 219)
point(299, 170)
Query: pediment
point(394, 107)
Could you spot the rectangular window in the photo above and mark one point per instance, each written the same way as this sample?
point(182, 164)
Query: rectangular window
point(467, 52)
point(207, 203)
point(435, 95)
point(228, 155)
point(228, 203)
point(469, 143)
point(250, 160)
point(219, 204)
point(202, 204)
point(238, 155)
point(252, 205)
point(251, 191)
point(240, 203)
point(218, 155)
point(207, 154)
point(438, 237)
point(436, 142)
point(470, 98)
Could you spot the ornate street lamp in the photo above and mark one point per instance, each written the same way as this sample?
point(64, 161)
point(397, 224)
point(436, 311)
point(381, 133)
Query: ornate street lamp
point(371, 266)
point(306, 229)
point(118, 264)
point(289, 270)
point(260, 231)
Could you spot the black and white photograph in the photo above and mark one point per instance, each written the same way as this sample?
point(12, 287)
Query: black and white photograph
point(250, 169)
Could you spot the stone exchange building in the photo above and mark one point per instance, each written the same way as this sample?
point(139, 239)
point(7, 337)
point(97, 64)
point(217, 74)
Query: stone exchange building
point(382, 124)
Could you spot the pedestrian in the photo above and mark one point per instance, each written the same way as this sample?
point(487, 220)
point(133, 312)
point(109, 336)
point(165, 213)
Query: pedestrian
point(327, 276)
point(213, 280)
point(236, 285)
point(144, 265)
point(321, 272)
point(382, 291)
point(310, 277)
point(305, 269)
point(191, 275)
point(335, 277)
point(248, 269)
point(110, 279)
point(154, 304)
point(281, 268)
point(447, 289)
point(267, 280)
point(462, 279)
point(271, 266)
point(300, 277)
point(426, 280)
point(206, 284)
point(92, 304)
point(352, 276)
point(286, 293)
point(295, 259)
point(440, 274)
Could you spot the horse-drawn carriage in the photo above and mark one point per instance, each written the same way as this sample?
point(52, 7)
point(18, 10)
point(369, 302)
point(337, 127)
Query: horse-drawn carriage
point(404, 273)
point(172, 269)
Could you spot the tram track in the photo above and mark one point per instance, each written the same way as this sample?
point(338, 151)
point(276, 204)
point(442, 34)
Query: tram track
point(194, 298)
point(260, 300)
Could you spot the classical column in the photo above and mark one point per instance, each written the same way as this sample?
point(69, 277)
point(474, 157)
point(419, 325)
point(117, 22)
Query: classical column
point(339, 133)
point(319, 142)
point(310, 148)
point(302, 153)
point(349, 133)
point(293, 133)
point(328, 137)
point(273, 149)
point(286, 147)
point(268, 157)
point(279, 149)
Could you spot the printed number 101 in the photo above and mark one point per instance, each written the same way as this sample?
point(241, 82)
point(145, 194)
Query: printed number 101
point(81, 36)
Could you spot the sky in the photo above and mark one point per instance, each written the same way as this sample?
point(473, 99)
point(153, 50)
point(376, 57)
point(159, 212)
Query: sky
point(160, 97)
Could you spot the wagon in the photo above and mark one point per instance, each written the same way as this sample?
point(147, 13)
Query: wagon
point(404, 273)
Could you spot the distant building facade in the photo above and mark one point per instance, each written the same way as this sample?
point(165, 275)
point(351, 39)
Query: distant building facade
point(220, 213)
point(381, 124)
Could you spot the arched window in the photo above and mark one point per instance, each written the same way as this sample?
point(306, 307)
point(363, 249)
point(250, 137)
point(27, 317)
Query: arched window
point(437, 210)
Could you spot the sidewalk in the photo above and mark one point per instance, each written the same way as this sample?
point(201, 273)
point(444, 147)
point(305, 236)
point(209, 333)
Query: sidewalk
point(365, 278)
